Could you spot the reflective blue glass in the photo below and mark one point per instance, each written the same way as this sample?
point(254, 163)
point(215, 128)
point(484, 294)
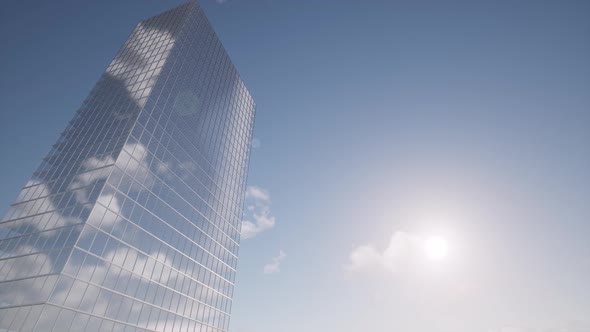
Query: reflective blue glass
point(132, 220)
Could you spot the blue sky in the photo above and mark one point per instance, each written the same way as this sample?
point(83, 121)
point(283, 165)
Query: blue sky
point(379, 125)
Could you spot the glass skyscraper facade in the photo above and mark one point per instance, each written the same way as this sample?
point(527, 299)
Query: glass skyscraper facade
point(132, 221)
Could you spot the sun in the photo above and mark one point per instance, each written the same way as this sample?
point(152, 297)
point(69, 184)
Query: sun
point(436, 247)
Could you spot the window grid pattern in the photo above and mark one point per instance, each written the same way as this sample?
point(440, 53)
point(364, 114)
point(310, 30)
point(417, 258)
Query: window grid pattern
point(132, 221)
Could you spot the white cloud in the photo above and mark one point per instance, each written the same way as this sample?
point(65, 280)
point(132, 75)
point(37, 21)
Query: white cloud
point(111, 218)
point(257, 193)
point(162, 167)
point(258, 215)
point(275, 264)
point(29, 261)
point(141, 62)
point(402, 250)
point(249, 230)
point(24, 207)
point(94, 170)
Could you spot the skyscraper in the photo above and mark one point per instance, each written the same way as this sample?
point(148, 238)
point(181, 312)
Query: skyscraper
point(132, 221)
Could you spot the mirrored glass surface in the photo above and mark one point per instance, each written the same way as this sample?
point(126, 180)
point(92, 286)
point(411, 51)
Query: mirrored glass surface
point(132, 221)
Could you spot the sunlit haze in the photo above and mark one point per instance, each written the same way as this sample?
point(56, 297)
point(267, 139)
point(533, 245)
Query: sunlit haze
point(416, 166)
point(436, 247)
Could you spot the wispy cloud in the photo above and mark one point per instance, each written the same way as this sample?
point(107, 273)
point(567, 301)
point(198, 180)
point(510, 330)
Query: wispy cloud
point(258, 215)
point(256, 143)
point(258, 194)
point(275, 264)
point(402, 250)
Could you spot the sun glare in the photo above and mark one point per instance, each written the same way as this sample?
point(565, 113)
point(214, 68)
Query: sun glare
point(436, 247)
